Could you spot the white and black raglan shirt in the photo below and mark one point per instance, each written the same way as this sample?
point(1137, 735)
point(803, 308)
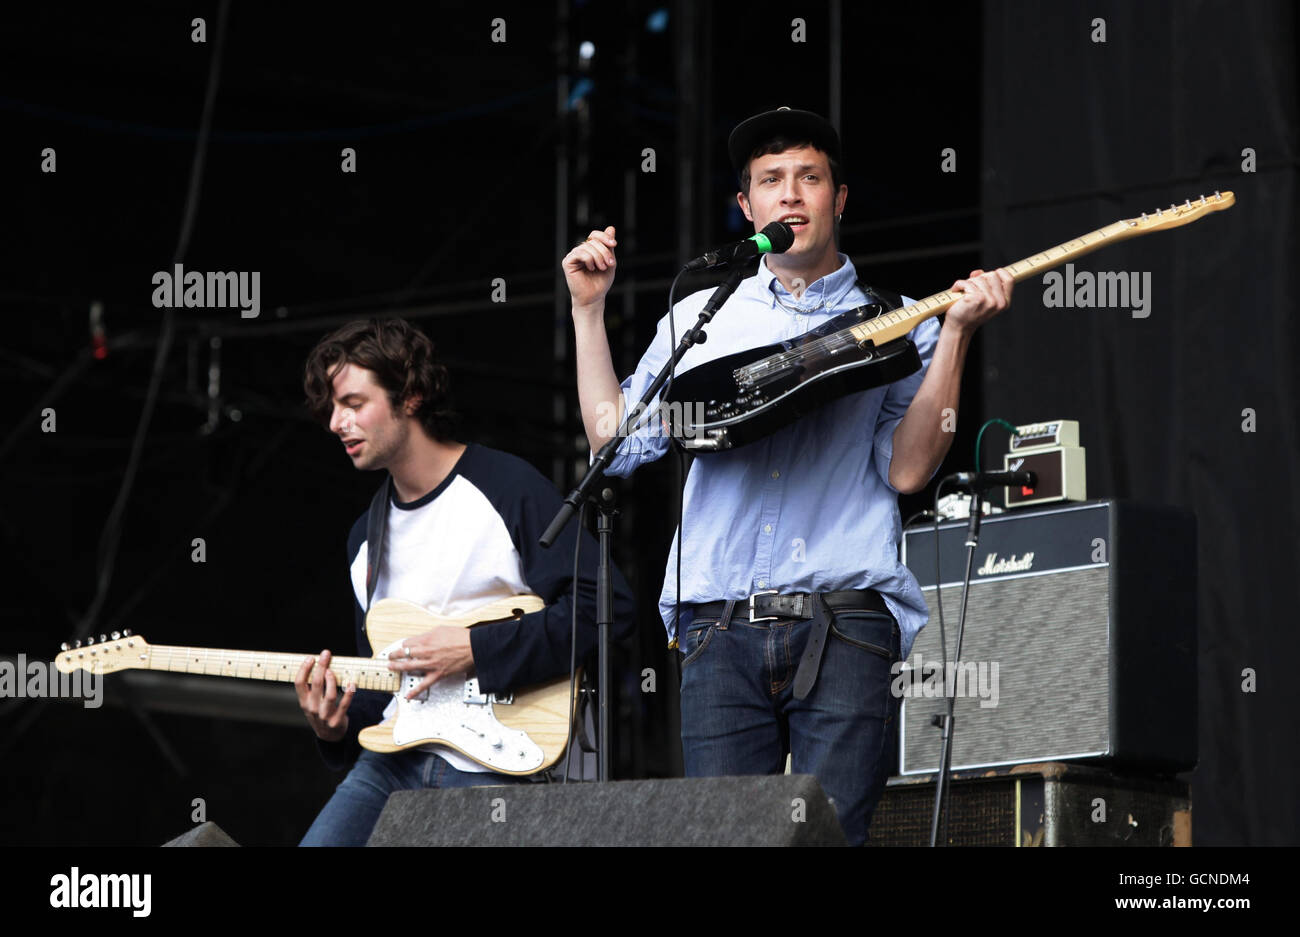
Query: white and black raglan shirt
point(470, 541)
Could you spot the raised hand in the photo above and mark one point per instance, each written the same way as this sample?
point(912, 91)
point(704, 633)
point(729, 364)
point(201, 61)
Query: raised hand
point(589, 270)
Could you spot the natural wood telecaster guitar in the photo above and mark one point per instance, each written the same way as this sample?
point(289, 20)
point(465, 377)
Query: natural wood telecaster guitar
point(518, 733)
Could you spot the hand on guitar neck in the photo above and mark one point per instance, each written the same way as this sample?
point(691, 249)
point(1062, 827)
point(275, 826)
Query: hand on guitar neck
point(326, 711)
point(984, 295)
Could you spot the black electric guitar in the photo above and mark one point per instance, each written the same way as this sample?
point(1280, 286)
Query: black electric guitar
point(737, 399)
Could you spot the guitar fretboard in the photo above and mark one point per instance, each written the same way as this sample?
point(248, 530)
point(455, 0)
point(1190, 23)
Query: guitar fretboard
point(898, 323)
point(366, 673)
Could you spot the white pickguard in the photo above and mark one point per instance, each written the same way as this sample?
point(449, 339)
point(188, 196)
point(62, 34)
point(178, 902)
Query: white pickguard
point(455, 712)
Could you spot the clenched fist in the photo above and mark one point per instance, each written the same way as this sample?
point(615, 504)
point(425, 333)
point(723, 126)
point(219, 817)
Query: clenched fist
point(589, 271)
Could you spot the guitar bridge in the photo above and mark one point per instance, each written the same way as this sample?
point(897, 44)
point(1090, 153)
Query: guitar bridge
point(763, 372)
point(476, 697)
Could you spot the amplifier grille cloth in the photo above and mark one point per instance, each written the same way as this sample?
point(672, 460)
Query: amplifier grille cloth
point(1049, 636)
point(980, 813)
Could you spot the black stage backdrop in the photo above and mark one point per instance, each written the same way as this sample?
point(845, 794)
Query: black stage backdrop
point(1079, 133)
point(480, 160)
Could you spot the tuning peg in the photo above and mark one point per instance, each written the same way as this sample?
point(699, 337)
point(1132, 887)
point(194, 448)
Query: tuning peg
point(78, 643)
point(102, 637)
point(116, 635)
point(1202, 199)
point(64, 646)
point(90, 639)
point(1188, 203)
point(126, 633)
point(1216, 194)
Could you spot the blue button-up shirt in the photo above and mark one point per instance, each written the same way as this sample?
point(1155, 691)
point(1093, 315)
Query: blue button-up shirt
point(807, 509)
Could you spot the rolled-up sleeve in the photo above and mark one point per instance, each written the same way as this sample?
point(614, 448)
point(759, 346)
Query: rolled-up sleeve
point(899, 395)
point(651, 441)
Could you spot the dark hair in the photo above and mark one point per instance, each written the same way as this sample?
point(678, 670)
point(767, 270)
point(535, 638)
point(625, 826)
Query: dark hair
point(780, 145)
point(403, 362)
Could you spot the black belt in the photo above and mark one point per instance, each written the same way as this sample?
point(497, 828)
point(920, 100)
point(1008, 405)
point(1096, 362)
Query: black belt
point(766, 606)
point(769, 606)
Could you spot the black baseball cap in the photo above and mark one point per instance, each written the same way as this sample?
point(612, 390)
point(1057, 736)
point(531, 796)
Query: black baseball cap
point(782, 122)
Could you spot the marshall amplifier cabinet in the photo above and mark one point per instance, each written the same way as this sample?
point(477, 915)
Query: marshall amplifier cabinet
point(1080, 640)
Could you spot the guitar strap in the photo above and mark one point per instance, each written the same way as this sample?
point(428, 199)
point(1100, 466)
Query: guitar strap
point(376, 525)
point(886, 298)
point(823, 615)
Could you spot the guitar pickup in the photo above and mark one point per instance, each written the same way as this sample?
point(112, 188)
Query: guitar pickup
point(473, 696)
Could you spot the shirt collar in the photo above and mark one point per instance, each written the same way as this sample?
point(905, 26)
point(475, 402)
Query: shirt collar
point(821, 294)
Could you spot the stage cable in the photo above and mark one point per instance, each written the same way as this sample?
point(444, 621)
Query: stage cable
point(112, 533)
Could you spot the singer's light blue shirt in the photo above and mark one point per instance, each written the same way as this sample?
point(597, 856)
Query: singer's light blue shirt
point(807, 509)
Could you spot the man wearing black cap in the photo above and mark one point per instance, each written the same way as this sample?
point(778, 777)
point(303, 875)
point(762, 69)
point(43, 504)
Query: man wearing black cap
point(794, 604)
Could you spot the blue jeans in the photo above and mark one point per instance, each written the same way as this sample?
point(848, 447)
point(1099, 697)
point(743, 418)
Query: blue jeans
point(739, 714)
point(350, 816)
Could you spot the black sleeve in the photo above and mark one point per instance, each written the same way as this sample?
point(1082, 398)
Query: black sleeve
point(535, 648)
point(367, 707)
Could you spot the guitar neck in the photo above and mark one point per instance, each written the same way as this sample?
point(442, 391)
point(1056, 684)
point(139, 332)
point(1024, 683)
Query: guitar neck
point(896, 324)
point(366, 673)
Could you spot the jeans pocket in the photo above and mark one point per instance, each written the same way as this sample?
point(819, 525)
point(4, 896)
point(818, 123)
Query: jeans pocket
point(697, 639)
point(874, 632)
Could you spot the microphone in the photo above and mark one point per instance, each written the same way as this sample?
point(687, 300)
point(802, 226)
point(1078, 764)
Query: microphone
point(776, 238)
point(982, 480)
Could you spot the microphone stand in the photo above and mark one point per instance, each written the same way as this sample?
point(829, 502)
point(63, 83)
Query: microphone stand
point(949, 692)
point(587, 486)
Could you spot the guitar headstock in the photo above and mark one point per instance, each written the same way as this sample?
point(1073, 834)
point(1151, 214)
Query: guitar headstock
point(1186, 213)
point(109, 654)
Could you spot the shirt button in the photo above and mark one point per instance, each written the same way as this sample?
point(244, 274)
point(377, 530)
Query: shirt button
point(767, 528)
point(776, 474)
point(762, 583)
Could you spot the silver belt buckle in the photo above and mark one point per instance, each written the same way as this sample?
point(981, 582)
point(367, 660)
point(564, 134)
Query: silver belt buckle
point(752, 619)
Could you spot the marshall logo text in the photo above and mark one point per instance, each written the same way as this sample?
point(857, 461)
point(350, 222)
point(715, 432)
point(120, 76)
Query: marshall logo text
point(993, 565)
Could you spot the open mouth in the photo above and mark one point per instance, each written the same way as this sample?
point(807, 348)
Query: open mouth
point(353, 447)
point(798, 222)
